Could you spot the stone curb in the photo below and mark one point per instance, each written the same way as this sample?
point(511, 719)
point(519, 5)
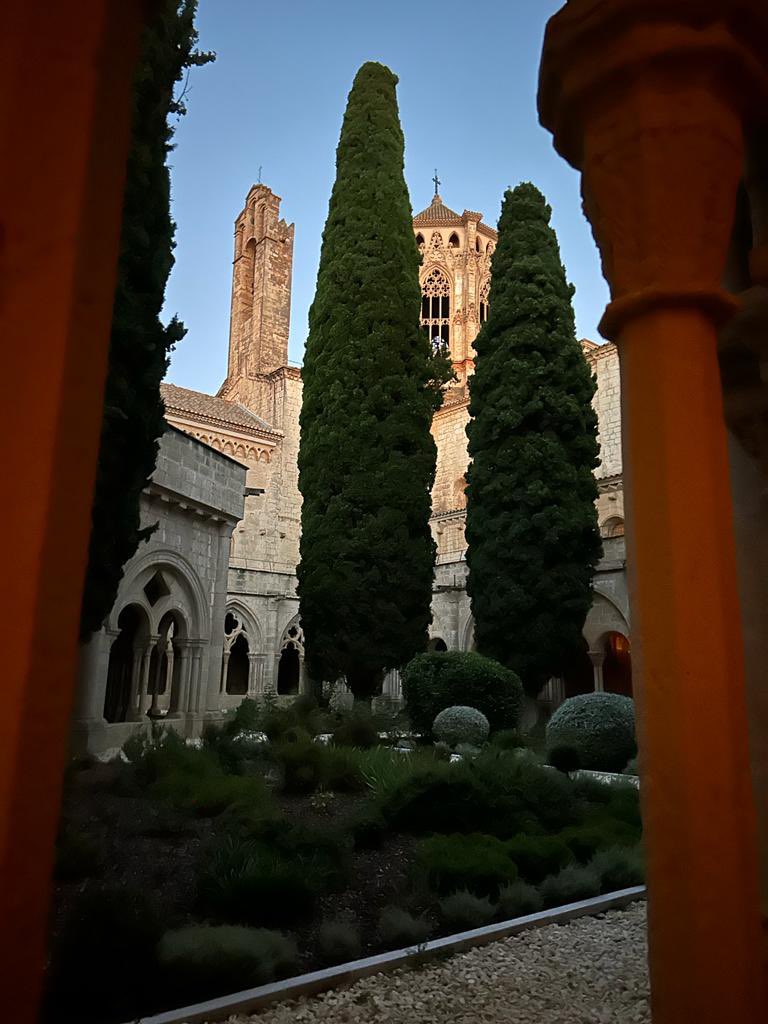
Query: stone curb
point(253, 999)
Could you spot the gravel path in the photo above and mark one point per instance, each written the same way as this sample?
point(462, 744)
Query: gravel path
point(590, 971)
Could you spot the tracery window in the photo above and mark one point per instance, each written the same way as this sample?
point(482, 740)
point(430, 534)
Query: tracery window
point(436, 306)
point(484, 307)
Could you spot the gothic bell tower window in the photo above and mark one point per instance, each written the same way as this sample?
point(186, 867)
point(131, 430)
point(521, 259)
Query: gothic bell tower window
point(436, 307)
point(484, 308)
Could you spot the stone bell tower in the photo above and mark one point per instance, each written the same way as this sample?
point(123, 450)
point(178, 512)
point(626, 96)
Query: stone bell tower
point(261, 291)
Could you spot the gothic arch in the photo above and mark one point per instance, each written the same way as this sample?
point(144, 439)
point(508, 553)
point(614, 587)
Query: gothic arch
point(185, 595)
point(468, 634)
point(290, 659)
point(604, 617)
point(436, 294)
point(249, 621)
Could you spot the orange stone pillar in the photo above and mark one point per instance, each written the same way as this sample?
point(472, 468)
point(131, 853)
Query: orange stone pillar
point(65, 103)
point(649, 105)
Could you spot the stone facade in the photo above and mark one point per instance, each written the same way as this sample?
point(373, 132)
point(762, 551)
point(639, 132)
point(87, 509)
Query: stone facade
point(255, 419)
point(160, 649)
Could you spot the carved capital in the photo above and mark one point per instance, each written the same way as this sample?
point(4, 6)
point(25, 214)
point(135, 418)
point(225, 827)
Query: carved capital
point(650, 106)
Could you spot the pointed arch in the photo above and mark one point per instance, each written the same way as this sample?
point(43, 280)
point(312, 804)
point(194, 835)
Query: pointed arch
point(436, 305)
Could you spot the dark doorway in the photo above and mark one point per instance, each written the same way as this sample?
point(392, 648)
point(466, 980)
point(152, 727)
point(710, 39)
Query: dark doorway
point(289, 671)
point(617, 667)
point(237, 667)
point(437, 644)
point(121, 661)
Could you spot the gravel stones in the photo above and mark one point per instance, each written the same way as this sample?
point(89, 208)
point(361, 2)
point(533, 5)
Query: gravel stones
point(589, 971)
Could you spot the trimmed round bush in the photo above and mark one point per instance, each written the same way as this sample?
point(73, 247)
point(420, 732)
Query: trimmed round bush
point(443, 679)
point(598, 727)
point(461, 724)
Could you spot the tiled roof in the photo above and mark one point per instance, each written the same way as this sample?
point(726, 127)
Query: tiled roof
point(436, 213)
point(184, 402)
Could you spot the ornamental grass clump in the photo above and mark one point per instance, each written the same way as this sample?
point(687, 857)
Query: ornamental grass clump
point(479, 864)
point(463, 910)
point(339, 942)
point(461, 725)
point(571, 884)
point(398, 928)
point(619, 867)
point(519, 899)
point(598, 727)
point(201, 961)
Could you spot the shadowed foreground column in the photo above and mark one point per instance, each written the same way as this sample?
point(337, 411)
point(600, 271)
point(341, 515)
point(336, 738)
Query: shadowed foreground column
point(65, 103)
point(652, 114)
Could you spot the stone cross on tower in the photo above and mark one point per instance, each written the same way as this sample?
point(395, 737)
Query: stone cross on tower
point(436, 181)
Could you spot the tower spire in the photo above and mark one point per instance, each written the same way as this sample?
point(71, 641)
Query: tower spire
point(436, 181)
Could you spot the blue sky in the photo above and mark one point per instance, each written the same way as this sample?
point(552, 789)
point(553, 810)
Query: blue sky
point(275, 97)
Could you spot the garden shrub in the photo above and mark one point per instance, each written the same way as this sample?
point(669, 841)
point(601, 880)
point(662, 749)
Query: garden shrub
point(498, 793)
point(442, 751)
point(339, 942)
point(519, 899)
point(79, 855)
point(538, 856)
point(597, 833)
point(565, 759)
point(369, 828)
point(358, 728)
point(251, 883)
point(511, 739)
point(463, 910)
point(480, 864)
point(211, 794)
point(437, 680)
point(325, 850)
point(619, 867)
point(245, 718)
point(569, 885)
point(460, 724)
point(468, 751)
point(599, 727)
point(307, 765)
point(632, 767)
point(202, 961)
point(399, 928)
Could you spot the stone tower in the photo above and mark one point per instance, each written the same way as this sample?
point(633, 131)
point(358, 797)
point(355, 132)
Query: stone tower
point(261, 289)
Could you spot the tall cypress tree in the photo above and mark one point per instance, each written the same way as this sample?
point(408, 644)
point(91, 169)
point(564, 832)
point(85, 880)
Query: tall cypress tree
point(139, 343)
point(371, 387)
point(532, 535)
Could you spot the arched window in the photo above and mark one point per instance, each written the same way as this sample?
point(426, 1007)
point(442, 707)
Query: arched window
point(419, 239)
point(613, 527)
point(436, 306)
point(437, 644)
point(478, 245)
point(453, 241)
point(484, 307)
point(291, 656)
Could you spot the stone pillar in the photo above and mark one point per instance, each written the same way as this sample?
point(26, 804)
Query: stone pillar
point(142, 694)
point(597, 658)
point(255, 673)
point(196, 683)
point(224, 671)
point(185, 665)
point(92, 676)
point(656, 130)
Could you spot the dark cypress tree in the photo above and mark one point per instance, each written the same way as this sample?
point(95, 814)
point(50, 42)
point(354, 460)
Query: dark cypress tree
point(532, 531)
point(140, 343)
point(371, 387)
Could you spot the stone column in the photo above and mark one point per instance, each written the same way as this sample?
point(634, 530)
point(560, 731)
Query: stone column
point(92, 676)
point(185, 664)
point(196, 694)
point(143, 680)
point(224, 670)
point(597, 658)
point(651, 114)
point(255, 673)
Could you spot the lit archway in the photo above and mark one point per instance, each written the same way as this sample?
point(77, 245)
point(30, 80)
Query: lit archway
point(617, 665)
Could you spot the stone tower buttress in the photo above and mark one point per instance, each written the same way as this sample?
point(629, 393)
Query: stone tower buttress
point(261, 288)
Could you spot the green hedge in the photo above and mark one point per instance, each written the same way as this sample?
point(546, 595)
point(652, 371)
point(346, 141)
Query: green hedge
point(438, 680)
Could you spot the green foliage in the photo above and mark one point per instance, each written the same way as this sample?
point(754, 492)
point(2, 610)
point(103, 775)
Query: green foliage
point(463, 910)
point(565, 758)
point(202, 961)
point(371, 386)
point(108, 932)
point(511, 739)
point(497, 793)
point(479, 863)
point(598, 833)
point(538, 856)
point(79, 855)
point(569, 885)
point(339, 942)
point(246, 717)
point(400, 929)
point(307, 766)
point(140, 343)
point(599, 727)
point(253, 883)
point(211, 794)
point(357, 729)
point(532, 535)
point(518, 900)
point(632, 767)
point(463, 725)
point(619, 867)
point(437, 680)
point(369, 828)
